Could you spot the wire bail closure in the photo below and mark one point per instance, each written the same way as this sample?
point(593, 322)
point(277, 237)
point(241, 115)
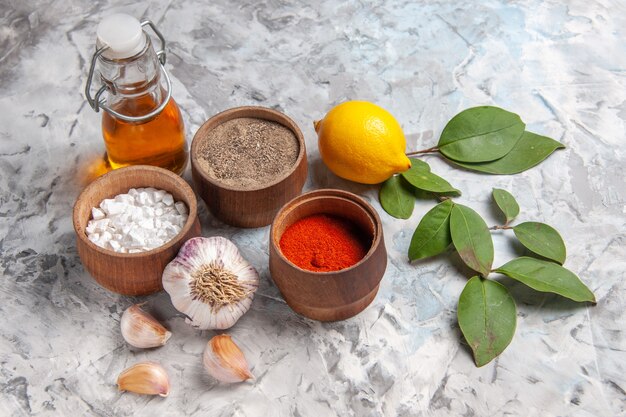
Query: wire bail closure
point(97, 102)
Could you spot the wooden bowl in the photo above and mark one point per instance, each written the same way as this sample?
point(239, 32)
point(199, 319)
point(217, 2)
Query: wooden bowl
point(337, 295)
point(132, 273)
point(248, 207)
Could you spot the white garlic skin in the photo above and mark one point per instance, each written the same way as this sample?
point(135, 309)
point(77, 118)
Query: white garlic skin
point(224, 361)
point(195, 253)
point(142, 330)
point(145, 378)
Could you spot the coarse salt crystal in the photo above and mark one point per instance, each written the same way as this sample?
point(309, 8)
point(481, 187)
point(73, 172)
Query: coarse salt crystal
point(101, 225)
point(90, 229)
point(135, 215)
point(114, 207)
point(159, 194)
point(147, 223)
point(154, 242)
point(137, 234)
point(124, 198)
point(104, 205)
point(115, 245)
point(147, 212)
point(181, 207)
point(168, 199)
point(144, 198)
point(98, 214)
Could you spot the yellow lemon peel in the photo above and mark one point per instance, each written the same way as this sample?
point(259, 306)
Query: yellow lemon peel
point(362, 142)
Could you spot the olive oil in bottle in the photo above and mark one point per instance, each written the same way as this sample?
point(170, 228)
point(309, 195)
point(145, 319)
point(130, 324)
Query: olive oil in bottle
point(142, 123)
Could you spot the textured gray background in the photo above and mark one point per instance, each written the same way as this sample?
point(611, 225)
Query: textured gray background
point(561, 65)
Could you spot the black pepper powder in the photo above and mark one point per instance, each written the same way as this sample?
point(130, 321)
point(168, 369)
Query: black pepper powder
point(248, 152)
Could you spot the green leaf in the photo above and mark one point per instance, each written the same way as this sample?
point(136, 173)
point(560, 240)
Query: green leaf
point(542, 239)
point(471, 238)
point(487, 318)
point(480, 134)
point(530, 150)
point(432, 235)
point(418, 164)
point(420, 177)
point(397, 198)
point(423, 195)
point(507, 203)
point(547, 276)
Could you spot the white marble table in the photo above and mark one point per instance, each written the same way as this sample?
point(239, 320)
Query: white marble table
point(561, 65)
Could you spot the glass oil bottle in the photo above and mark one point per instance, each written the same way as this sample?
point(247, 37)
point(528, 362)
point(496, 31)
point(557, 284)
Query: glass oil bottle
point(141, 123)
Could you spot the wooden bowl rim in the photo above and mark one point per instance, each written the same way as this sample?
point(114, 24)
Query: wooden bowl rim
point(336, 194)
point(243, 112)
point(185, 188)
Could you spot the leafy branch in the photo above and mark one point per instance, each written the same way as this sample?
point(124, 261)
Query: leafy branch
point(486, 310)
point(485, 139)
point(490, 140)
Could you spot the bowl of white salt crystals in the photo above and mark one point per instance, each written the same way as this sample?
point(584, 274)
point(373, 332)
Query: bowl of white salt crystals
point(130, 223)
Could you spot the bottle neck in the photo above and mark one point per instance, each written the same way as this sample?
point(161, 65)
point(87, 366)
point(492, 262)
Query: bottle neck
point(134, 77)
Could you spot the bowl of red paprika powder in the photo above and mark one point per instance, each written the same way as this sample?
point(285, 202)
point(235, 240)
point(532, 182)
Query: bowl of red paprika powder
point(327, 254)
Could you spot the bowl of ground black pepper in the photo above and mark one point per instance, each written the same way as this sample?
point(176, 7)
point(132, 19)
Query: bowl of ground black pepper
point(327, 254)
point(246, 163)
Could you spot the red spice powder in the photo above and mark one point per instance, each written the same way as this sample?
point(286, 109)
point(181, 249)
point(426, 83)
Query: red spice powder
point(323, 242)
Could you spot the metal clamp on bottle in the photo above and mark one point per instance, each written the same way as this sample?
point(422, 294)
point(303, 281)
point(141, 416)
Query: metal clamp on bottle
point(99, 102)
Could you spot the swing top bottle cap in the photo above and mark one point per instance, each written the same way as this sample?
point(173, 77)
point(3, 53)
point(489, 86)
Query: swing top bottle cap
point(123, 35)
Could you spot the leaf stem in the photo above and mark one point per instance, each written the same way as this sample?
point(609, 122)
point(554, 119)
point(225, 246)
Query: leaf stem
point(505, 227)
point(429, 150)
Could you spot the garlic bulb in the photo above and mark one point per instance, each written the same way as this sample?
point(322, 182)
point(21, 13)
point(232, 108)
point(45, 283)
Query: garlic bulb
point(225, 361)
point(145, 378)
point(142, 330)
point(210, 282)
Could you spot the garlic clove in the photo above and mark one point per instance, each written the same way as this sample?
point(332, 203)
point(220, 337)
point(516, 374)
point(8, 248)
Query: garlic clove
point(210, 282)
point(224, 360)
point(142, 330)
point(145, 378)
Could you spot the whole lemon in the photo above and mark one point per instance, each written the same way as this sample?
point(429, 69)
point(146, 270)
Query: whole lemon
point(362, 142)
